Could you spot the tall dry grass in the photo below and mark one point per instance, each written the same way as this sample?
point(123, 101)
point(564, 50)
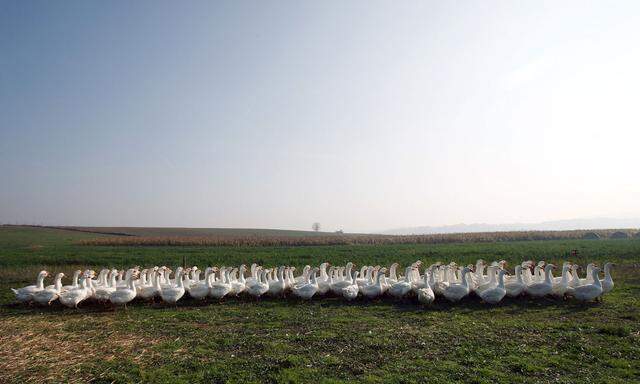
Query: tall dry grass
point(346, 239)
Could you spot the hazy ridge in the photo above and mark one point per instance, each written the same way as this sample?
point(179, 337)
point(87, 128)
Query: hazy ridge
point(557, 225)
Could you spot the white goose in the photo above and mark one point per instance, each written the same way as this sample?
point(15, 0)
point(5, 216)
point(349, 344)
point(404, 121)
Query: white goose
point(343, 281)
point(351, 292)
point(278, 285)
point(220, 288)
point(238, 285)
point(307, 290)
point(170, 293)
point(323, 281)
point(104, 292)
point(102, 279)
point(49, 294)
point(400, 288)
point(376, 289)
point(393, 277)
point(260, 286)
point(25, 294)
point(441, 280)
point(541, 288)
point(495, 294)
point(527, 277)
point(418, 281)
point(488, 283)
point(74, 281)
point(607, 283)
point(425, 293)
point(589, 277)
point(456, 291)
point(515, 285)
point(123, 295)
point(366, 273)
point(477, 277)
point(200, 289)
point(149, 292)
point(575, 279)
point(73, 297)
point(588, 292)
point(305, 275)
point(561, 284)
point(254, 270)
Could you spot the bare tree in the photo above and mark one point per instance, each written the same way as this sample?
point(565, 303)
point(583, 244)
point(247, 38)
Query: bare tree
point(316, 227)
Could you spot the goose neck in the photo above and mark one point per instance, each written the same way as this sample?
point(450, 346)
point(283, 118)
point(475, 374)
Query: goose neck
point(547, 274)
point(465, 283)
point(392, 271)
point(594, 276)
point(519, 274)
point(179, 281)
point(40, 280)
point(58, 282)
point(501, 279)
point(607, 272)
point(565, 274)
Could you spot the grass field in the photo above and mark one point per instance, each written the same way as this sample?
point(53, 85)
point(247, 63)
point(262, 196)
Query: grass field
point(328, 340)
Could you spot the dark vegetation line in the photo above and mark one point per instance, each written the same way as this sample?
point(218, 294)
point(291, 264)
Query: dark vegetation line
point(217, 240)
point(76, 229)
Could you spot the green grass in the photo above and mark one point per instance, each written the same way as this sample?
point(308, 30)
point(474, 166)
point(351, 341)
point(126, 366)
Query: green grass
point(322, 341)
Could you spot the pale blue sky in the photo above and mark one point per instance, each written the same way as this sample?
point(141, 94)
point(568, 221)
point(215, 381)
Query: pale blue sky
point(361, 115)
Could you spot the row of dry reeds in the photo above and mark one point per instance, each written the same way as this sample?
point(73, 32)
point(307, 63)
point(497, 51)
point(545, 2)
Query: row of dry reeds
point(336, 239)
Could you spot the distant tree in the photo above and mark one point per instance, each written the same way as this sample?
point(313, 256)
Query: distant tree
point(316, 227)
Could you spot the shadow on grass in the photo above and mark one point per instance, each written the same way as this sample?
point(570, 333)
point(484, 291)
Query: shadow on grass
point(410, 304)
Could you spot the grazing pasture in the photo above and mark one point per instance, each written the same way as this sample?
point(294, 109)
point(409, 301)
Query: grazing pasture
point(242, 340)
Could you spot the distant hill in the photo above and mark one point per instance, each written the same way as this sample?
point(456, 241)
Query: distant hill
point(558, 225)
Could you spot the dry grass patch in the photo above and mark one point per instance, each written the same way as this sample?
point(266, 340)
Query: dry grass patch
point(35, 349)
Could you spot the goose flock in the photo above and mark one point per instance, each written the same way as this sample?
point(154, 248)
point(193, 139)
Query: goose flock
point(490, 282)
